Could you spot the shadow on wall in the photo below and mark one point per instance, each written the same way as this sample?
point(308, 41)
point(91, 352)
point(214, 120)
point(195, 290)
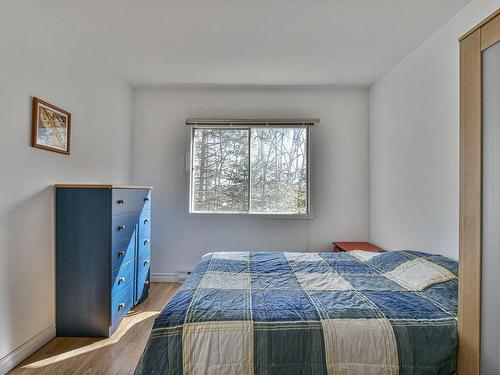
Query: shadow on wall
point(27, 269)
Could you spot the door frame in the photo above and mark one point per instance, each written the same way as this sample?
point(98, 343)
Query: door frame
point(472, 44)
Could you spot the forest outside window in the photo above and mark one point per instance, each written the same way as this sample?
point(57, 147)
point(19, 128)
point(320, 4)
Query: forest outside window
point(250, 170)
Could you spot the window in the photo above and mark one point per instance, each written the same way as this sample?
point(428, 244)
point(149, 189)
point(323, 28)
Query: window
point(250, 170)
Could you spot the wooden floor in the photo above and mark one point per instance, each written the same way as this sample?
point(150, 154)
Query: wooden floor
point(118, 354)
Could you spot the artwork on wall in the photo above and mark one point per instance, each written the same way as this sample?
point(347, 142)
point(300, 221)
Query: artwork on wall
point(51, 127)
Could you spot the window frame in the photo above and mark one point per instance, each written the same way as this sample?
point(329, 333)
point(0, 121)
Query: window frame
point(190, 168)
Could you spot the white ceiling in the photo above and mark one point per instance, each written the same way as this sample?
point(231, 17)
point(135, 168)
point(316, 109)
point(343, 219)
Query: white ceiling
point(253, 42)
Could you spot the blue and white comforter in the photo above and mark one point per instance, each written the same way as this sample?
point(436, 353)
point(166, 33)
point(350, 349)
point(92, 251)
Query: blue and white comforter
point(309, 313)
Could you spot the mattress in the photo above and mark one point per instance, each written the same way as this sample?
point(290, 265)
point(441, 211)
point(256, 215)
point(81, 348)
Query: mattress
point(288, 313)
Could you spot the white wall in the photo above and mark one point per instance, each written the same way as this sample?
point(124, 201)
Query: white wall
point(39, 58)
point(414, 143)
point(339, 158)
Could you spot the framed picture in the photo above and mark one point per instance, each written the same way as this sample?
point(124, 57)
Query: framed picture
point(50, 127)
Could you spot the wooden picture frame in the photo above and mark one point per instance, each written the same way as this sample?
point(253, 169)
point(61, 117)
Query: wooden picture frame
point(472, 44)
point(50, 127)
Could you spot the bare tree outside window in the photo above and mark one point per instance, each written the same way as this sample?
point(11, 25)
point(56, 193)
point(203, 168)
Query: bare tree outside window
point(220, 170)
point(278, 170)
point(259, 170)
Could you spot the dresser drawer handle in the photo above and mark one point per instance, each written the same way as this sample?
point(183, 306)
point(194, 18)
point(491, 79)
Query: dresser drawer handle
point(121, 253)
point(146, 199)
point(146, 282)
point(146, 242)
point(146, 262)
point(121, 227)
point(121, 201)
point(121, 280)
point(121, 306)
point(146, 221)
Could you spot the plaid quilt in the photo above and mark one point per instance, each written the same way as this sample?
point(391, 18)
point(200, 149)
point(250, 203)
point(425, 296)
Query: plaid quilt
point(309, 313)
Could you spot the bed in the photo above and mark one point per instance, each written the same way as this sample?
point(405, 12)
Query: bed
point(309, 313)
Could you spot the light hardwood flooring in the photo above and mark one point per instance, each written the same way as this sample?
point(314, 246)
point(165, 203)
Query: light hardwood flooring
point(117, 354)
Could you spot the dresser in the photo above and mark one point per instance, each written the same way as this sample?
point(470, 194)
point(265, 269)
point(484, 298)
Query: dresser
point(103, 252)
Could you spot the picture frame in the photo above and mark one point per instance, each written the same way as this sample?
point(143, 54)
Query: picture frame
point(50, 127)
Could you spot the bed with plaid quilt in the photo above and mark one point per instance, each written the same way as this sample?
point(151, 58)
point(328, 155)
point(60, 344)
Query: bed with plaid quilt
point(309, 313)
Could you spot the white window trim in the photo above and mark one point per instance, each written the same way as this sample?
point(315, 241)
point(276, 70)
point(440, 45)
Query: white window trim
point(189, 178)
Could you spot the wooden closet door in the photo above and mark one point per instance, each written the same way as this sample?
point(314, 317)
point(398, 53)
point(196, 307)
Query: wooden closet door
point(479, 280)
point(469, 276)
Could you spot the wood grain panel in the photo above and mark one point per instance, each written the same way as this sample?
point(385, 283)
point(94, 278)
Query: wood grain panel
point(469, 310)
point(490, 33)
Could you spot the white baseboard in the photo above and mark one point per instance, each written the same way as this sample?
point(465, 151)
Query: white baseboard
point(164, 277)
point(15, 357)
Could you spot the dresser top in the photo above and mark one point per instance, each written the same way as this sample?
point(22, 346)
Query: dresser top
point(103, 186)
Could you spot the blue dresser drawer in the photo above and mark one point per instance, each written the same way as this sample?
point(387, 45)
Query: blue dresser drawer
point(145, 221)
point(121, 305)
point(122, 252)
point(124, 226)
point(143, 284)
point(144, 241)
point(130, 200)
point(122, 278)
point(143, 262)
point(147, 200)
